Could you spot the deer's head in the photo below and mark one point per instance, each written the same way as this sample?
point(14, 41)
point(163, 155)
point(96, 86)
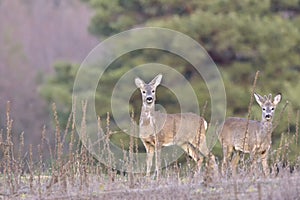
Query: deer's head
point(148, 90)
point(268, 105)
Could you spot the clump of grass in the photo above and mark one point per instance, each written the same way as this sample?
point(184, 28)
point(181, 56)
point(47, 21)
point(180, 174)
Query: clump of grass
point(11, 165)
point(73, 172)
point(211, 172)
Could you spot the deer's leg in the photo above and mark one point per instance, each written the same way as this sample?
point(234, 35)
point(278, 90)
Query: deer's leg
point(212, 165)
point(235, 162)
point(191, 151)
point(254, 161)
point(227, 151)
point(264, 162)
point(199, 162)
point(150, 152)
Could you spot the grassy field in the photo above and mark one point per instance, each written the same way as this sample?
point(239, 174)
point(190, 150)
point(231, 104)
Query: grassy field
point(73, 173)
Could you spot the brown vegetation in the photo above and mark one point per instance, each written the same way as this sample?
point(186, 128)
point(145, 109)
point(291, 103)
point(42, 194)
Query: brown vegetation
point(73, 173)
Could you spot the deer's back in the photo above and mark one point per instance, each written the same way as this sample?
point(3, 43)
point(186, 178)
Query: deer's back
point(234, 132)
point(180, 127)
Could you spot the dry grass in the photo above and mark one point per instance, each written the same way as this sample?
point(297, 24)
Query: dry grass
point(74, 174)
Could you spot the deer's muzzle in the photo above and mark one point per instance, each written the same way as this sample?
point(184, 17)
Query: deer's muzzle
point(149, 100)
point(268, 117)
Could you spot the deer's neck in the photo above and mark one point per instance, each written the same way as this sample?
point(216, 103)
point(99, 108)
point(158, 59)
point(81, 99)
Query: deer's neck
point(147, 115)
point(267, 128)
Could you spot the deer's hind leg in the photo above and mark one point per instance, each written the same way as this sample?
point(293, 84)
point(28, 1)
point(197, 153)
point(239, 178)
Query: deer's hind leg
point(227, 152)
point(234, 162)
point(196, 156)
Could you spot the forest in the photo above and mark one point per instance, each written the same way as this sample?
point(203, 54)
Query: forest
point(241, 37)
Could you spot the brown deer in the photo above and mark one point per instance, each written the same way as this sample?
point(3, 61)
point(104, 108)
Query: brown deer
point(159, 129)
point(249, 136)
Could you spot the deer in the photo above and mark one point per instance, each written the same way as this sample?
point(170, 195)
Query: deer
point(249, 136)
point(158, 129)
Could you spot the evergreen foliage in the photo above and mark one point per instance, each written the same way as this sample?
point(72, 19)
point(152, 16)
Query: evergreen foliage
point(240, 36)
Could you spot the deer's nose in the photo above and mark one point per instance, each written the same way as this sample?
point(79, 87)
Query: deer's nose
point(149, 99)
point(268, 116)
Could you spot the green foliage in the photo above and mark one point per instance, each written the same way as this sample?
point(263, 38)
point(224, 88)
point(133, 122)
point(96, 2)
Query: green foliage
point(240, 36)
point(59, 87)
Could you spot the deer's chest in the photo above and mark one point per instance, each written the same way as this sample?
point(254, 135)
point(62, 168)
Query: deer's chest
point(147, 126)
point(261, 146)
point(263, 139)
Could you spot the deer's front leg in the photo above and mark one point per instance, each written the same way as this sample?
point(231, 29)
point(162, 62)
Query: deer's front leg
point(150, 152)
point(264, 162)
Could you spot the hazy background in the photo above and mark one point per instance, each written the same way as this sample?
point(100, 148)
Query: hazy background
point(42, 43)
point(34, 34)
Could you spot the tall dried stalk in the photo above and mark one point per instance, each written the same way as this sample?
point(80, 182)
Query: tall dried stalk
point(39, 171)
point(131, 152)
point(280, 148)
point(297, 128)
point(249, 113)
point(198, 136)
point(58, 144)
point(287, 140)
point(72, 158)
point(9, 152)
point(157, 153)
point(83, 152)
point(31, 169)
point(99, 142)
point(107, 150)
point(137, 152)
point(20, 159)
point(209, 175)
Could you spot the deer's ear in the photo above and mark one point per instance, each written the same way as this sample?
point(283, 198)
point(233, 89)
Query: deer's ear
point(157, 80)
point(277, 99)
point(259, 99)
point(139, 82)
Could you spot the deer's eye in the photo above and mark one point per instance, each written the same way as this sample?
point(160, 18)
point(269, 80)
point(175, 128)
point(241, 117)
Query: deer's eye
point(144, 92)
point(272, 108)
point(153, 91)
point(264, 109)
